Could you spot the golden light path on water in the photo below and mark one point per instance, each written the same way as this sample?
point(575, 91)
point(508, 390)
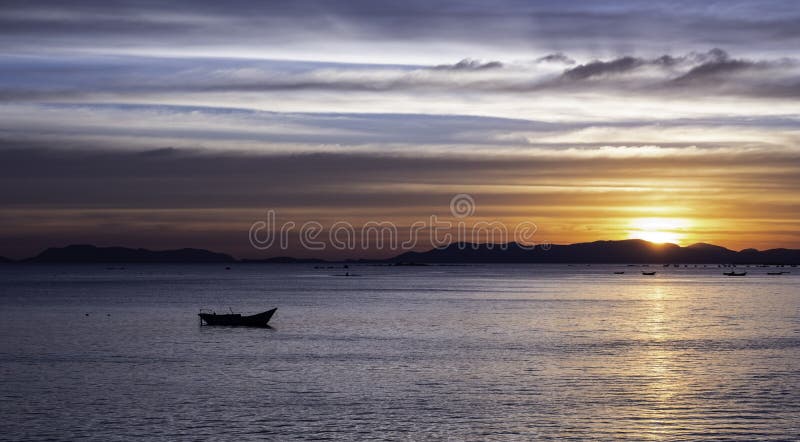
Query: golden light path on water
point(659, 362)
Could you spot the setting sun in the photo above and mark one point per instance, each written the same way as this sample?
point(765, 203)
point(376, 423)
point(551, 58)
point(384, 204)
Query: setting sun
point(659, 230)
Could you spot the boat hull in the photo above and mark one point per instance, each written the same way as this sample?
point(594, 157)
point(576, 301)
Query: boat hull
point(237, 320)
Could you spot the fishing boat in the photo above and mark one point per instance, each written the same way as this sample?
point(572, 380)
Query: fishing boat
point(236, 319)
point(648, 273)
point(619, 273)
point(734, 273)
point(776, 273)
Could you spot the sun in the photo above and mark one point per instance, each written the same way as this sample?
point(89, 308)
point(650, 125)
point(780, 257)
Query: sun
point(659, 230)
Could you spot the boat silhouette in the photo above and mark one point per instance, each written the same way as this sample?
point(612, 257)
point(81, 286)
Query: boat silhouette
point(735, 273)
point(236, 319)
point(648, 273)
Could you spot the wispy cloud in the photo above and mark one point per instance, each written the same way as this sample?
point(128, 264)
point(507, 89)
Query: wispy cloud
point(600, 68)
point(710, 73)
point(470, 65)
point(564, 112)
point(316, 29)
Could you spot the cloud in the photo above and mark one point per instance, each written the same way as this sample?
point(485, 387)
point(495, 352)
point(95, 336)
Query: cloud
point(716, 66)
point(120, 194)
point(413, 31)
point(152, 127)
point(335, 107)
point(468, 64)
point(712, 73)
point(41, 176)
point(555, 58)
point(600, 68)
point(713, 60)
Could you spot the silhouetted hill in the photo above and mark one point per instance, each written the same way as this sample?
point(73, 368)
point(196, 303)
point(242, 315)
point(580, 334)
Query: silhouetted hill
point(89, 253)
point(610, 252)
point(3, 259)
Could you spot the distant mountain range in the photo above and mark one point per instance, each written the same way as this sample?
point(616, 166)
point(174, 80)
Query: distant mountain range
point(89, 253)
point(608, 252)
point(598, 252)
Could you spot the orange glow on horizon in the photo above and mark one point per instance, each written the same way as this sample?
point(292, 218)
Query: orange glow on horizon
point(659, 230)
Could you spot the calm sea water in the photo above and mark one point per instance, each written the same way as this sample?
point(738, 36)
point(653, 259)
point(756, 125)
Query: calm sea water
point(425, 353)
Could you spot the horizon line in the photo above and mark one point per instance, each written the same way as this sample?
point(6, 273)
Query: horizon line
point(398, 252)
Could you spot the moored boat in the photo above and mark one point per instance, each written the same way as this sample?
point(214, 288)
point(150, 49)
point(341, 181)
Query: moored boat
point(236, 319)
point(735, 273)
point(648, 273)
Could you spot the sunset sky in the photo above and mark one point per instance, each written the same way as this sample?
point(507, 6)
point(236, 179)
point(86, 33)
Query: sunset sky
point(147, 125)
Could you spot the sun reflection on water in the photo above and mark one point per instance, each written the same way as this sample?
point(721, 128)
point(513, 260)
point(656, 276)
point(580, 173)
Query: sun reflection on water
point(657, 363)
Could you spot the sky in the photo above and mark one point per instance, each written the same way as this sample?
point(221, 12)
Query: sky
point(179, 125)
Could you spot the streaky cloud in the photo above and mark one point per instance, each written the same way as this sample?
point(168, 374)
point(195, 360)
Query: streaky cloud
point(600, 68)
point(708, 73)
point(468, 64)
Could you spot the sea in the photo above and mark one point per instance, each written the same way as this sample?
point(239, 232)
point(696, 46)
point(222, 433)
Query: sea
point(444, 352)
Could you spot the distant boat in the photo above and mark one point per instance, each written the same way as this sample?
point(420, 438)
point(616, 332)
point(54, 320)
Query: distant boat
point(648, 273)
point(236, 319)
point(735, 273)
point(619, 273)
point(777, 273)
